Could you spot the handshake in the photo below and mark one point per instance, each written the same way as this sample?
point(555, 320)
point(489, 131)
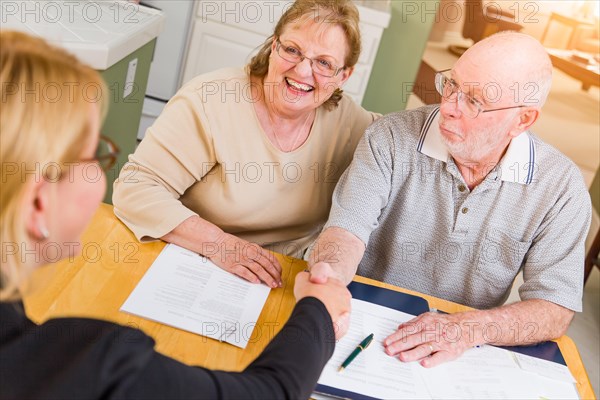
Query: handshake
point(321, 284)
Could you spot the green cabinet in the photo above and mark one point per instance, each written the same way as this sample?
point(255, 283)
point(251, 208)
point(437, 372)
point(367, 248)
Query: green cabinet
point(124, 112)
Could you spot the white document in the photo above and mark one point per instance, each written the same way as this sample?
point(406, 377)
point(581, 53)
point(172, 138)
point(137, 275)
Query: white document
point(545, 368)
point(481, 380)
point(373, 373)
point(187, 291)
point(478, 374)
point(484, 372)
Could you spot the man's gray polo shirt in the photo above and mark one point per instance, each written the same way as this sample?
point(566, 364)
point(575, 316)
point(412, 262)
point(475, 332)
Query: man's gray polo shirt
point(404, 197)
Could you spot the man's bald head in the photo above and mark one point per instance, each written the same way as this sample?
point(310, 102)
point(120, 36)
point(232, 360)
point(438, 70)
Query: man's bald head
point(510, 58)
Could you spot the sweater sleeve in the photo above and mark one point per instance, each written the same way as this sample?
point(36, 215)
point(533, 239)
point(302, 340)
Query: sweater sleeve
point(289, 367)
point(364, 189)
point(176, 152)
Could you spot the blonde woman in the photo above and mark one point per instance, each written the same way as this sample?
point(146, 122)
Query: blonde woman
point(243, 160)
point(46, 147)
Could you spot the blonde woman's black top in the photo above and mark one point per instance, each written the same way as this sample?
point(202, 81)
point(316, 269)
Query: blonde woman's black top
point(71, 358)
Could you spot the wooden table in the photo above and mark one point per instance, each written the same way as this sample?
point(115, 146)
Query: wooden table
point(588, 74)
point(97, 283)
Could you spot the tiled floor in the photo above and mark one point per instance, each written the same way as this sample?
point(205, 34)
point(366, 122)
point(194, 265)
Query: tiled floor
point(570, 121)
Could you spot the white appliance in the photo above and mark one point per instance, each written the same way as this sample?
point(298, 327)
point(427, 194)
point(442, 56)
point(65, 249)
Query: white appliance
point(169, 57)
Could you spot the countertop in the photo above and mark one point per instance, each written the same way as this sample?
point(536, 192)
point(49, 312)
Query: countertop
point(98, 33)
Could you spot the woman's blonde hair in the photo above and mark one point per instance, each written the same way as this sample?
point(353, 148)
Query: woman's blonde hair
point(342, 13)
point(47, 97)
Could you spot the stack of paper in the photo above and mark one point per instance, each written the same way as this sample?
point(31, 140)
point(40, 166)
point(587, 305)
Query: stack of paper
point(187, 291)
point(484, 372)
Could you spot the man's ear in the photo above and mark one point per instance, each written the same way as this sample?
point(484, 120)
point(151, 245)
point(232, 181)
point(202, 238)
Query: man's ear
point(526, 119)
point(37, 204)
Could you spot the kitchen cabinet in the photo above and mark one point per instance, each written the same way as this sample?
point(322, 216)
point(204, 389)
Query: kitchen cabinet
point(228, 34)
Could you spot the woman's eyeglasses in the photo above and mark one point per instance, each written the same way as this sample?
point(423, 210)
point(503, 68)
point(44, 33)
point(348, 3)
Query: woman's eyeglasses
point(320, 66)
point(106, 153)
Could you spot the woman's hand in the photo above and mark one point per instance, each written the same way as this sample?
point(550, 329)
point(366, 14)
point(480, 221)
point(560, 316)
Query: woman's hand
point(330, 291)
point(246, 260)
point(240, 257)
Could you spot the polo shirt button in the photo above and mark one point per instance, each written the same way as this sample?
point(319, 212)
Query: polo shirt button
point(465, 210)
point(461, 188)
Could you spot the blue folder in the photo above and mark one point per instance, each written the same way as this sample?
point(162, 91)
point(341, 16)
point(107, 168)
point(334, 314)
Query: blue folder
point(416, 305)
point(404, 302)
point(545, 350)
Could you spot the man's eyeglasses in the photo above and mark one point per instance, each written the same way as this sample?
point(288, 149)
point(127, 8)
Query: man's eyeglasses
point(320, 66)
point(469, 106)
point(106, 153)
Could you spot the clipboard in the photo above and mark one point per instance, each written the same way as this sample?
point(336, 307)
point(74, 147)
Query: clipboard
point(416, 305)
point(545, 350)
point(404, 302)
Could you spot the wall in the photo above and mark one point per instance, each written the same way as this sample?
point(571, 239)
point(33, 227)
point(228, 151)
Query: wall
point(399, 55)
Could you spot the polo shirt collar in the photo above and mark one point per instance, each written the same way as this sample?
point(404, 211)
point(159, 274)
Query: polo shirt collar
point(518, 163)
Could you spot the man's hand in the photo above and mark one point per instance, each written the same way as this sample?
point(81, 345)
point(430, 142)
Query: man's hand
point(330, 291)
point(325, 270)
point(431, 338)
point(340, 249)
point(435, 338)
point(246, 260)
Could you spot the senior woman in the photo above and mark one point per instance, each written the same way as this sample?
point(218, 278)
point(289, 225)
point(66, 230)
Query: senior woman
point(47, 200)
point(243, 160)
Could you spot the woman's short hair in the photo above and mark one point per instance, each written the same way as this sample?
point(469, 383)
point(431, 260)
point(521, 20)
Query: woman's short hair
point(44, 123)
point(342, 13)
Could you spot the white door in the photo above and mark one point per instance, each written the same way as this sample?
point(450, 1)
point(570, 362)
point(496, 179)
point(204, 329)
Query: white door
point(214, 45)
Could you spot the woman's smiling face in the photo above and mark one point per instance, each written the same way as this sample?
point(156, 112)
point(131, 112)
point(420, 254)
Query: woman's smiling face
point(296, 88)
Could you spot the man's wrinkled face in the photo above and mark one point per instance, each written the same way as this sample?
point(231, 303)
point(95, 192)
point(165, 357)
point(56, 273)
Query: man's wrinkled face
point(473, 139)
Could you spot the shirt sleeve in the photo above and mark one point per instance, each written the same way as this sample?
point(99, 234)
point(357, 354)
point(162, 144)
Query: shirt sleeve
point(364, 189)
point(289, 367)
point(176, 152)
point(553, 265)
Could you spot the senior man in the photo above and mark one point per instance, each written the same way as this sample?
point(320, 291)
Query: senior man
point(455, 200)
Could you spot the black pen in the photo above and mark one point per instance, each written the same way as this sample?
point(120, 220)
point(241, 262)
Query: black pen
point(361, 346)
